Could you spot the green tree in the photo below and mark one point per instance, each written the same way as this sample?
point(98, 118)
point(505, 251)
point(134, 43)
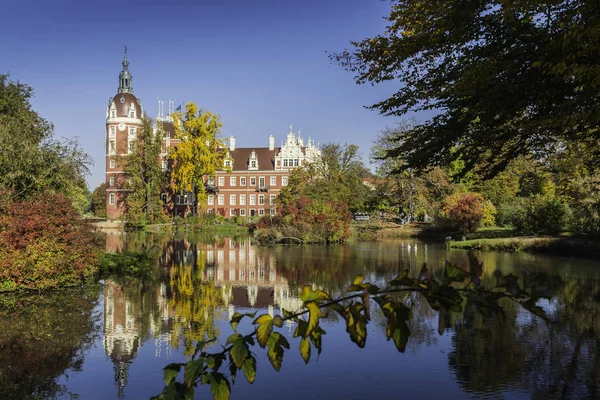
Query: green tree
point(32, 162)
point(506, 78)
point(147, 179)
point(199, 154)
point(98, 202)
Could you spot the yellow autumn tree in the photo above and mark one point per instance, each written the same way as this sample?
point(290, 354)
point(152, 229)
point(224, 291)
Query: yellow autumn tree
point(200, 153)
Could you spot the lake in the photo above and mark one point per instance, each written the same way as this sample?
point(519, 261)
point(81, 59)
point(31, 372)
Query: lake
point(112, 340)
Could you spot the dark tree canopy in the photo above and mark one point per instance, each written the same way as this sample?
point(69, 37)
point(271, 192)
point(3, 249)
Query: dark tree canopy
point(506, 77)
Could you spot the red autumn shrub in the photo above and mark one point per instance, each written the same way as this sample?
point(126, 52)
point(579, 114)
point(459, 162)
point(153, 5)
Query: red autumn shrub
point(45, 244)
point(462, 211)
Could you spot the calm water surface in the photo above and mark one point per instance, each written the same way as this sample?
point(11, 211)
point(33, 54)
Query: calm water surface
point(112, 340)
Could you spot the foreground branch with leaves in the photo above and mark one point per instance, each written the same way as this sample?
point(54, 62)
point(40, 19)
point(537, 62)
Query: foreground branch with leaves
point(449, 293)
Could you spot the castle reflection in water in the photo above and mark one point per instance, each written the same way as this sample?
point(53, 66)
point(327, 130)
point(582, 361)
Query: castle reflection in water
point(240, 274)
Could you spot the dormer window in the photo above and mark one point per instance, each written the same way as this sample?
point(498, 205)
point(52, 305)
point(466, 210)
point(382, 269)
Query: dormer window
point(228, 163)
point(132, 110)
point(253, 162)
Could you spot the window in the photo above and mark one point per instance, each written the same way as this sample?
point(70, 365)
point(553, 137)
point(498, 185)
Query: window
point(112, 163)
point(132, 113)
point(210, 181)
point(131, 131)
point(221, 181)
point(221, 199)
point(242, 212)
point(113, 131)
point(164, 198)
point(165, 164)
point(243, 181)
point(113, 113)
point(131, 146)
point(111, 181)
point(211, 200)
point(261, 211)
point(232, 199)
point(232, 181)
point(272, 199)
point(252, 181)
point(112, 147)
point(285, 162)
point(273, 181)
point(252, 199)
point(272, 211)
point(111, 199)
point(261, 199)
point(232, 212)
point(296, 162)
point(228, 163)
point(284, 180)
point(242, 199)
point(261, 182)
point(253, 164)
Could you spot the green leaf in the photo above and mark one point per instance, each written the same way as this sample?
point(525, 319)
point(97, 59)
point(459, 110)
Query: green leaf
point(264, 329)
point(232, 371)
point(201, 345)
point(276, 343)
point(305, 349)
point(313, 295)
point(403, 280)
point(356, 324)
point(192, 371)
point(315, 338)
point(301, 328)
point(454, 274)
point(219, 385)
point(249, 368)
point(171, 371)
point(237, 317)
point(314, 313)
point(278, 321)
point(239, 350)
point(289, 314)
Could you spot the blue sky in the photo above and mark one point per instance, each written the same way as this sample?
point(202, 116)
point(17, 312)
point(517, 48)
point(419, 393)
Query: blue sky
point(261, 65)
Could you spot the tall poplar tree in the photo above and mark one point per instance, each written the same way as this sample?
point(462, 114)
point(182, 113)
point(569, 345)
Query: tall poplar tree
point(200, 153)
point(146, 179)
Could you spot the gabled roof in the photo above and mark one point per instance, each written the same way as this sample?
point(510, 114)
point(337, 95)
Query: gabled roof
point(241, 156)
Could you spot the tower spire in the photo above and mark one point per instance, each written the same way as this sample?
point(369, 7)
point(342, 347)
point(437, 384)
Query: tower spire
point(125, 78)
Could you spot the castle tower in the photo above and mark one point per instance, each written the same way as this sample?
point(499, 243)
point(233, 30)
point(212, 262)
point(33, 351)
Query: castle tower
point(123, 123)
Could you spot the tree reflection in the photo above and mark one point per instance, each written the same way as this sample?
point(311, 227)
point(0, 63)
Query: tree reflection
point(41, 337)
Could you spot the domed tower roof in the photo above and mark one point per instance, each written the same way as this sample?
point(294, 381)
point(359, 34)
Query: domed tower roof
point(123, 102)
point(125, 77)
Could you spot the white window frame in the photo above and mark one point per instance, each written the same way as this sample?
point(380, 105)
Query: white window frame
point(221, 200)
point(111, 181)
point(272, 198)
point(284, 181)
point(165, 165)
point(112, 131)
point(242, 199)
point(211, 200)
point(272, 211)
point(232, 200)
point(112, 163)
point(261, 211)
point(112, 146)
point(252, 200)
point(261, 181)
point(221, 181)
point(252, 179)
point(232, 212)
point(130, 146)
point(261, 199)
point(273, 181)
point(242, 212)
point(243, 181)
point(111, 199)
point(232, 181)
point(131, 131)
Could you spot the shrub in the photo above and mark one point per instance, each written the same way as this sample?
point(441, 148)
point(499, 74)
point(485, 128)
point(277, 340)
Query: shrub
point(464, 211)
point(45, 244)
point(541, 215)
point(489, 214)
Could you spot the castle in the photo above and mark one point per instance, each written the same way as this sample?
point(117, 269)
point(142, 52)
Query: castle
point(250, 189)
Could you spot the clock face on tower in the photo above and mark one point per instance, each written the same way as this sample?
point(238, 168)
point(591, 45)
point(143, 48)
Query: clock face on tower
point(121, 126)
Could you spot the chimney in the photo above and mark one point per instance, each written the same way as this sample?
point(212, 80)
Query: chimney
point(231, 143)
point(271, 143)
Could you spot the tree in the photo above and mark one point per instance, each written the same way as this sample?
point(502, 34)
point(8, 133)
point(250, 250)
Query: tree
point(98, 203)
point(32, 162)
point(199, 154)
point(506, 78)
point(147, 179)
point(338, 175)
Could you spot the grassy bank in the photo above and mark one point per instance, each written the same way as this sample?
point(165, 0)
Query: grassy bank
point(564, 246)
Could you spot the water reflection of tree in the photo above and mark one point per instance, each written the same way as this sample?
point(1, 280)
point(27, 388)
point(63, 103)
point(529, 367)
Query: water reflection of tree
point(194, 304)
point(42, 336)
point(552, 360)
